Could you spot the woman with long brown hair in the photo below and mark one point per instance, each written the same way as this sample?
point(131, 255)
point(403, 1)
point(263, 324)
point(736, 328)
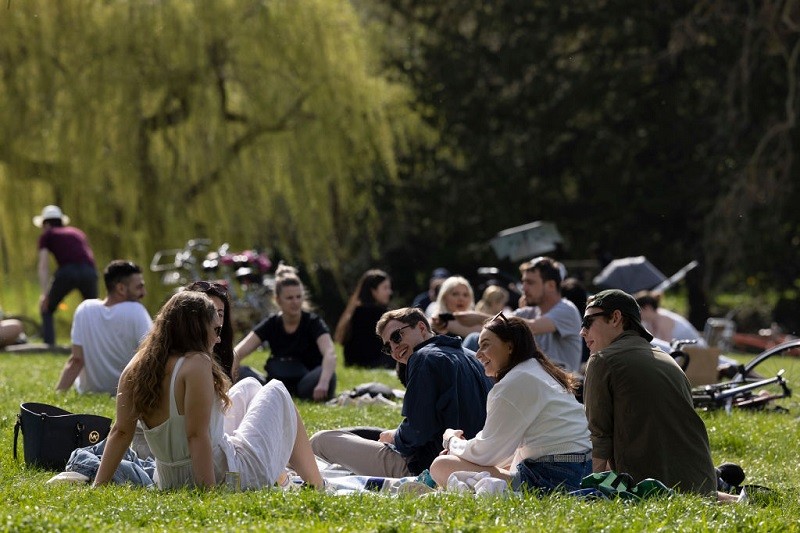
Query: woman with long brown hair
point(179, 392)
point(536, 434)
point(356, 328)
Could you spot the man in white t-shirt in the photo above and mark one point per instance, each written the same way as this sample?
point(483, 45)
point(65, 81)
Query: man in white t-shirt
point(663, 323)
point(106, 333)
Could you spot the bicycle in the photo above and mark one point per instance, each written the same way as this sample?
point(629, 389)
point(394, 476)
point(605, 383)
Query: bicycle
point(244, 274)
point(761, 383)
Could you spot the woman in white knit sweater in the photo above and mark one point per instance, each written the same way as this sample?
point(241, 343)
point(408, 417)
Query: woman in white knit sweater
point(536, 434)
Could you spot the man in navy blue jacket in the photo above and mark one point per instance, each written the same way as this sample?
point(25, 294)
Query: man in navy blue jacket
point(446, 387)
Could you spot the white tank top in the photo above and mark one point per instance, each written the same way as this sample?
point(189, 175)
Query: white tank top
point(170, 446)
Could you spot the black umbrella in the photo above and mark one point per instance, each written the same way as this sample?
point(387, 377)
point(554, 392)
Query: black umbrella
point(630, 274)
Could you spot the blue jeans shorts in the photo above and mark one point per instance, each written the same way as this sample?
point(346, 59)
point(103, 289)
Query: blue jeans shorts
point(552, 473)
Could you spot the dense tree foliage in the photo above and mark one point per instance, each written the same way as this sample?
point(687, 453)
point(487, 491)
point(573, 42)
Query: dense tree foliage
point(259, 123)
point(663, 129)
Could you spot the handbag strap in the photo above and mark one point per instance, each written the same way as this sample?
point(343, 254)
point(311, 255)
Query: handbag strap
point(17, 427)
point(78, 430)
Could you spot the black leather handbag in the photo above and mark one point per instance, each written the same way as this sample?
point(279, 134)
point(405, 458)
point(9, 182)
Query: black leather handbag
point(50, 434)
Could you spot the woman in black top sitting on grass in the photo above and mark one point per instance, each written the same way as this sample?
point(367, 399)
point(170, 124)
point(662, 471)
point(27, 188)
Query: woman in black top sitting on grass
point(303, 355)
point(356, 328)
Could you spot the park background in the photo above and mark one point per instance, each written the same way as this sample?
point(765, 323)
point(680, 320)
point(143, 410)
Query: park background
point(403, 134)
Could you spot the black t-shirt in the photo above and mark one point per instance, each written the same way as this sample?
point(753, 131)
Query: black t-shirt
point(300, 345)
point(363, 347)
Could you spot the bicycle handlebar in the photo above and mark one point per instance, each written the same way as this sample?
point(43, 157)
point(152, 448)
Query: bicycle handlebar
point(198, 244)
point(157, 266)
point(181, 255)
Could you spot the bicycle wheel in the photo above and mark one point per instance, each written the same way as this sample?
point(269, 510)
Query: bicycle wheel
point(784, 359)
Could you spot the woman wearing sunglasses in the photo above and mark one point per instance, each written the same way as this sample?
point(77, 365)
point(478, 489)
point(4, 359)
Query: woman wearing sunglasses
point(303, 355)
point(536, 434)
point(179, 393)
point(223, 350)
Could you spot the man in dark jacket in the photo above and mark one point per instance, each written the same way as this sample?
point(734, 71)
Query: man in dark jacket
point(446, 387)
point(639, 402)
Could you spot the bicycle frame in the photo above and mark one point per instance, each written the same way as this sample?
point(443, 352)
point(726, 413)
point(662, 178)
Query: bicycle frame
point(245, 276)
point(739, 396)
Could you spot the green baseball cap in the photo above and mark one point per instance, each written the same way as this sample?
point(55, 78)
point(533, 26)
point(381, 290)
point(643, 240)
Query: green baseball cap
point(617, 300)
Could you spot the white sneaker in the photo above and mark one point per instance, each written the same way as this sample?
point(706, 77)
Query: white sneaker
point(69, 477)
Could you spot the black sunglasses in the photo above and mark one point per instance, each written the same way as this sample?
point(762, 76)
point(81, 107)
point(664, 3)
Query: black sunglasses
point(588, 320)
point(396, 337)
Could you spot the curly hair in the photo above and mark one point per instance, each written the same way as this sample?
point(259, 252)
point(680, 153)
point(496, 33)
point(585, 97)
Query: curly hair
point(181, 326)
point(515, 331)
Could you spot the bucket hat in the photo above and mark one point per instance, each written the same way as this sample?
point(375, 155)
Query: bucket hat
point(50, 212)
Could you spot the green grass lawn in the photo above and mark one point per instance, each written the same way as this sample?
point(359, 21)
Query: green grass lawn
point(765, 444)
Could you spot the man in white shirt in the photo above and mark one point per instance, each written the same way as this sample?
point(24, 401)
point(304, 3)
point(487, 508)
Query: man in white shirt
point(663, 323)
point(106, 333)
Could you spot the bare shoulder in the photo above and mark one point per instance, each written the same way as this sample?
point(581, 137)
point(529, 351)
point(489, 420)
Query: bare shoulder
point(196, 361)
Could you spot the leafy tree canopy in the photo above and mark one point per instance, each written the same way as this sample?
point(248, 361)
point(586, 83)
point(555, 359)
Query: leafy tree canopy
point(255, 122)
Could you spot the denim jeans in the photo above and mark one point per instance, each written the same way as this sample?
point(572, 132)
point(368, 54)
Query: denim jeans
point(302, 387)
point(549, 477)
point(131, 469)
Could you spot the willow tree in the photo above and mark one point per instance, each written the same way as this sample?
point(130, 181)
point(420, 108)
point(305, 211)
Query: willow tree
point(255, 122)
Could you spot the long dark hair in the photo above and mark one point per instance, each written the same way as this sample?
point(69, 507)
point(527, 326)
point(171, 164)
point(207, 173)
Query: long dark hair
point(362, 295)
point(369, 281)
point(223, 350)
point(515, 331)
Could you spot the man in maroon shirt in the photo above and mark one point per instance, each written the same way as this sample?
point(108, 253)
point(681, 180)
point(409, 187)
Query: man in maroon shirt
point(76, 268)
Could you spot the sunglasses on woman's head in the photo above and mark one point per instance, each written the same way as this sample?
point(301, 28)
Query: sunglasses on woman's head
point(500, 316)
point(203, 286)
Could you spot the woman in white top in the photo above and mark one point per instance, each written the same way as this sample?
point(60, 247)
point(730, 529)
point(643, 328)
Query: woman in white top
point(179, 392)
point(536, 434)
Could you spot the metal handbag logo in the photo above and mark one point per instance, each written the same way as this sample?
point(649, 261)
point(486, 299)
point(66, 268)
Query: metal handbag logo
point(94, 437)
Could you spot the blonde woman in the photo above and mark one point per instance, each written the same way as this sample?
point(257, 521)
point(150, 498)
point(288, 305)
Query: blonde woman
point(493, 301)
point(455, 297)
point(303, 355)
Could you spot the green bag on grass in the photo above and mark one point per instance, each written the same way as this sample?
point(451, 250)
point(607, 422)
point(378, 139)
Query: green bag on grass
point(620, 485)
